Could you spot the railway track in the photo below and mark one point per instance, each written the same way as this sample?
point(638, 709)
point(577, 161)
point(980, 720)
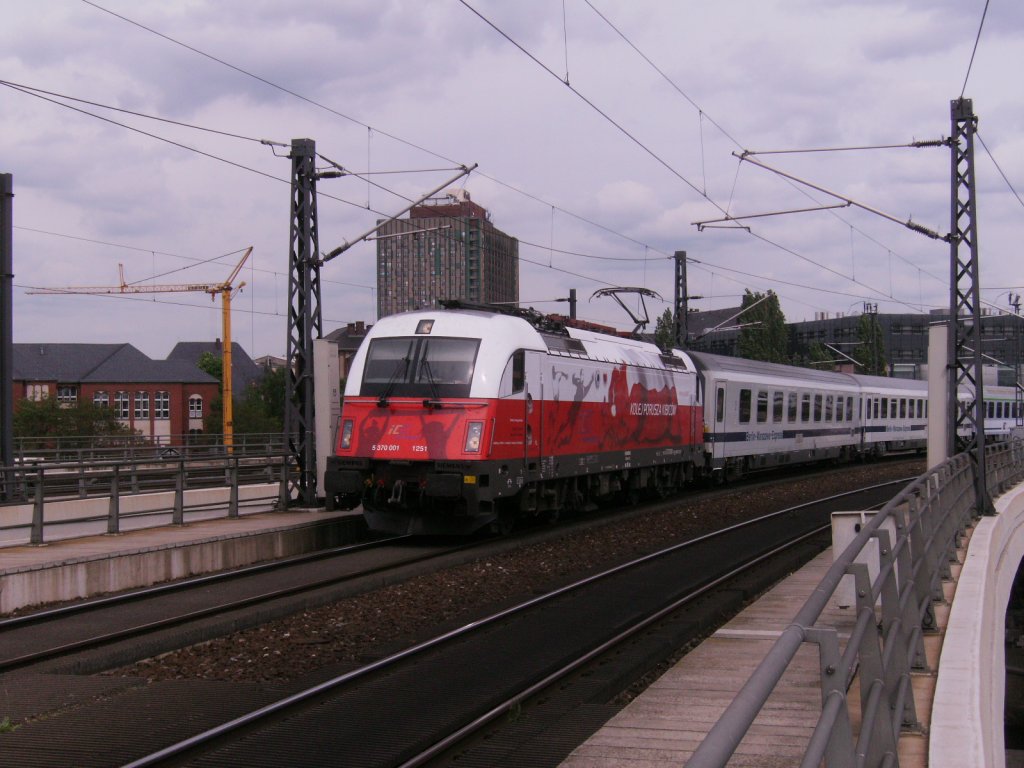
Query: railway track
point(138, 617)
point(427, 704)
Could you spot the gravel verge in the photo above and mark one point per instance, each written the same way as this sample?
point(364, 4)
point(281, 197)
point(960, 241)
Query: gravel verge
point(361, 628)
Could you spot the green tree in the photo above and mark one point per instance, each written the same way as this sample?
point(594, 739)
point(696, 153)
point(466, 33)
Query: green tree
point(765, 336)
point(870, 350)
point(212, 364)
point(47, 419)
point(259, 410)
point(213, 420)
point(665, 330)
point(820, 357)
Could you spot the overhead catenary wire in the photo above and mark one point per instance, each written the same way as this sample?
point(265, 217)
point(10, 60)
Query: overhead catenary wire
point(735, 142)
point(385, 133)
point(974, 50)
point(411, 144)
point(657, 157)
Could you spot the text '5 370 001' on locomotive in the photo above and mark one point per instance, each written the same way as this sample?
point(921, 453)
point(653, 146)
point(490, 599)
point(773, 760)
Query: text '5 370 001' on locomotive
point(464, 418)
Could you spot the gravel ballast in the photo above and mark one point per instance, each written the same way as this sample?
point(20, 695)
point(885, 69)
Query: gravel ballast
point(355, 630)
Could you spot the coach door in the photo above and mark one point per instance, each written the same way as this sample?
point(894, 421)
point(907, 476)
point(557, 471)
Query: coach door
point(718, 434)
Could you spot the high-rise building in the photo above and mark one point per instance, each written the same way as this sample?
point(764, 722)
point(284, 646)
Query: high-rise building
point(447, 249)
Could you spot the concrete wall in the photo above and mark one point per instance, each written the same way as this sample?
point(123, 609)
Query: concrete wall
point(967, 711)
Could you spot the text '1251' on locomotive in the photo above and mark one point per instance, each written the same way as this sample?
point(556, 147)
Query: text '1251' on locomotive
point(459, 419)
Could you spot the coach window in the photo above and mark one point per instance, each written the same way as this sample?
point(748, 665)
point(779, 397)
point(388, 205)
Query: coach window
point(805, 407)
point(792, 408)
point(817, 407)
point(828, 408)
point(885, 407)
point(892, 408)
point(744, 406)
point(903, 407)
point(920, 409)
point(849, 408)
point(762, 407)
point(513, 380)
point(720, 405)
point(778, 403)
point(840, 408)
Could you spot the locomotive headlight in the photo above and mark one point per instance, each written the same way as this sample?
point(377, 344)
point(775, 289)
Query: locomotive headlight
point(473, 434)
point(346, 434)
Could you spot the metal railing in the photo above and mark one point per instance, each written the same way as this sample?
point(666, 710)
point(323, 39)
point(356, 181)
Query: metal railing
point(28, 450)
point(892, 612)
point(165, 480)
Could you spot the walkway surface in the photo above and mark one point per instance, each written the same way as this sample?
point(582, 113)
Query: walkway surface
point(663, 726)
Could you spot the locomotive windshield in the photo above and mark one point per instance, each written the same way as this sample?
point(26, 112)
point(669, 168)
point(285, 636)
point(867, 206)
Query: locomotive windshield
point(419, 367)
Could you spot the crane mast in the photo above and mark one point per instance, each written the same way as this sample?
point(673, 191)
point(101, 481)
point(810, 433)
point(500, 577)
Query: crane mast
point(225, 289)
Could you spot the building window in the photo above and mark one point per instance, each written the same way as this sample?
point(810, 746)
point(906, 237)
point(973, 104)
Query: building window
point(101, 399)
point(142, 405)
point(67, 394)
point(122, 404)
point(37, 392)
point(162, 405)
point(195, 407)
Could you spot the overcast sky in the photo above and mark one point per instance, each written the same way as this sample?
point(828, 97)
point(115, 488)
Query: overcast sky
point(596, 199)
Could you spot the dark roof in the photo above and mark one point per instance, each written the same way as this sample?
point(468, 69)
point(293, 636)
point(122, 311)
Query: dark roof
point(698, 323)
point(98, 363)
point(349, 337)
point(244, 372)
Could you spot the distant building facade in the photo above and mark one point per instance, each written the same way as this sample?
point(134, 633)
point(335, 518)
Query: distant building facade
point(348, 338)
point(905, 338)
point(155, 398)
point(446, 249)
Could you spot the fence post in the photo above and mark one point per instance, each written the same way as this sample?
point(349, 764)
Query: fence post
point(37, 510)
point(114, 514)
point(178, 517)
point(233, 487)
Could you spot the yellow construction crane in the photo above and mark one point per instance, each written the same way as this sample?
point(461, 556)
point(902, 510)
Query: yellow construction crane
point(226, 290)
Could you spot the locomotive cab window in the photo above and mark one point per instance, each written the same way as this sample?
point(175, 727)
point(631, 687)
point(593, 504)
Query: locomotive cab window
point(419, 367)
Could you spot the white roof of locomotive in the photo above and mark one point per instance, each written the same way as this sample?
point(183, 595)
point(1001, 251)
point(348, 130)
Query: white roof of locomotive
point(500, 335)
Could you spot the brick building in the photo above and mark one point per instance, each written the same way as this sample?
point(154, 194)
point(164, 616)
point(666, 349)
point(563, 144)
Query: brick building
point(155, 398)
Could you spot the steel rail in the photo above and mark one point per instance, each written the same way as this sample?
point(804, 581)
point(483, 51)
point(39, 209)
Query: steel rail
point(199, 742)
point(35, 657)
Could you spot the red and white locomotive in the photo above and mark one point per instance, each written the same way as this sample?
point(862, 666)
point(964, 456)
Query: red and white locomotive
point(457, 419)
